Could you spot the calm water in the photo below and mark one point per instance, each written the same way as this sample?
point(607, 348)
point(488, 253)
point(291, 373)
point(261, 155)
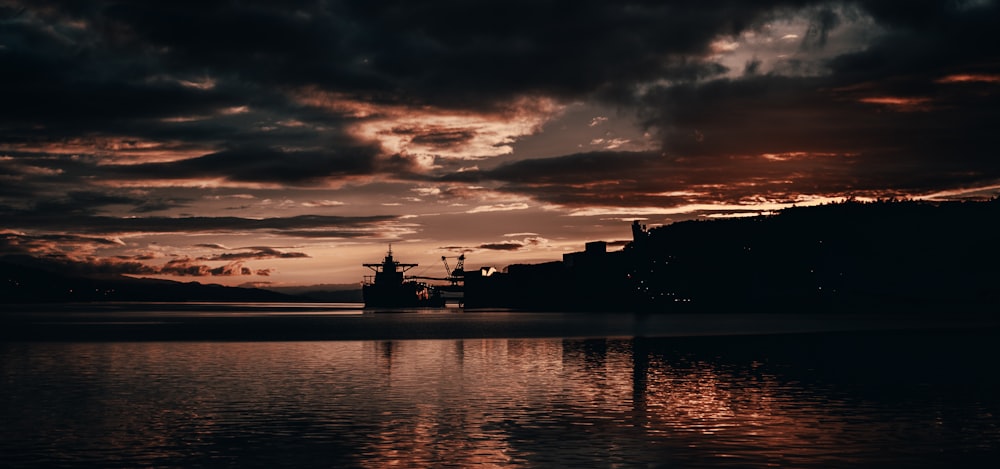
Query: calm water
point(852, 393)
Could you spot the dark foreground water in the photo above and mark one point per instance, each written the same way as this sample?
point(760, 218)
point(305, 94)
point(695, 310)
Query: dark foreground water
point(787, 391)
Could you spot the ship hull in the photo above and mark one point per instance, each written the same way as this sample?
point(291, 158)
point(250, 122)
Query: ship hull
point(405, 295)
point(388, 288)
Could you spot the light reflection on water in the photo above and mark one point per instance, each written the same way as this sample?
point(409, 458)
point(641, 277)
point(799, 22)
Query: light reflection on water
point(827, 400)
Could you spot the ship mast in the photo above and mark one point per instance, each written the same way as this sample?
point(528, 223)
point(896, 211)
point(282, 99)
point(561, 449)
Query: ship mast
point(390, 265)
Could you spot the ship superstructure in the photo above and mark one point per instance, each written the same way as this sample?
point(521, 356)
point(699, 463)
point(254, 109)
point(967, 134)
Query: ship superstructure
point(389, 287)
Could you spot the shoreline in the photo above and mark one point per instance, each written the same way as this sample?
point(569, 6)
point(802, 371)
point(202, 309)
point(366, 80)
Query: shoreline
point(213, 322)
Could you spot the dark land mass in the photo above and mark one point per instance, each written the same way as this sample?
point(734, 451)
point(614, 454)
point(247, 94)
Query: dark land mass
point(886, 256)
point(28, 280)
point(328, 293)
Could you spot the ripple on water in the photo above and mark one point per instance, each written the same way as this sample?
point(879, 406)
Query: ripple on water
point(524, 402)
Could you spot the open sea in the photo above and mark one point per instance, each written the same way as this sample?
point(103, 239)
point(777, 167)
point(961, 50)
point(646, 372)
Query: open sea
point(332, 385)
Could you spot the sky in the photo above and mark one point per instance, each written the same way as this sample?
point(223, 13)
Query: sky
point(286, 143)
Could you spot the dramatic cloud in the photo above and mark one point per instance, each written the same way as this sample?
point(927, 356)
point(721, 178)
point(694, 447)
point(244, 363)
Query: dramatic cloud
point(426, 132)
point(50, 244)
point(71, 253)
point(316, 124)
point(259, 165)
point(188, 267)
point(501, 246)
point(506, 245)
point(259, 252)
point(641, 182)
point(349, 226)
point(182, 267)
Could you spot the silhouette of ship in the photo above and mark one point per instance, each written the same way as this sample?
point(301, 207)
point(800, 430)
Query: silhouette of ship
point(388, 288)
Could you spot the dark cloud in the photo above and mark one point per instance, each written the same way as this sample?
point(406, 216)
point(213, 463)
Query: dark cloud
point(501, 246)
point(886, 105)
point(321, 233)
point(67, 80)
point(819, 28)
point(49, 244)
point(170, 70)
point(151, 59)
point(61, 252)
point(105, 266)
point(447, 53)
point(273, 94)
point(454, 52)
point(91, 202)
point(259, 252)
point(189, 267)
point(210, 246)
point(437, 138)
point(83, 202)
point(512, 245)
point(149, 206)
point(752, 67)
point(653, 179)
point(128, 265)
point(262, 165)
point(506, 245)
point(331, 226)
point(182, 267)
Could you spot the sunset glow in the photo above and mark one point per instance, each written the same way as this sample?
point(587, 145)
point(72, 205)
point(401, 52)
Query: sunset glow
point(127, 147)
point(967, 78)
point(908, 104)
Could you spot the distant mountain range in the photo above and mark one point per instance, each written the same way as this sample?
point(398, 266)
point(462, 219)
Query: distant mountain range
point(328, 293)
point(27, 280)
point(24, 279)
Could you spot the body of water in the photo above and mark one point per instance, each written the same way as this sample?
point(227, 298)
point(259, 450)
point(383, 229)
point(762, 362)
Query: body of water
point(265, 385)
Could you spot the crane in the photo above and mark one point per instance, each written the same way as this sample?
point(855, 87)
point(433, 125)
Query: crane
point(458, 274)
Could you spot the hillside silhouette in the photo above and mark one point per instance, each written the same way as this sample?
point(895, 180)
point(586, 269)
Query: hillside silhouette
point(905, 256)
point(27, 280)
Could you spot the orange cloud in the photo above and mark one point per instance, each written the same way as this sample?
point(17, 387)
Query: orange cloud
point(113, 150)
point(499, 207)
point(970, 78)
point(788, 155)
point(198, 183)
point(424, 132)
point(904, 104)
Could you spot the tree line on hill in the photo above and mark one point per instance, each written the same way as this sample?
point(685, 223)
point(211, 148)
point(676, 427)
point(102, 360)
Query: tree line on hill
point(892, 255)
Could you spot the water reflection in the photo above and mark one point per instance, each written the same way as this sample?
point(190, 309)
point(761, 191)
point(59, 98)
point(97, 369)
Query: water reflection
point(530, 402)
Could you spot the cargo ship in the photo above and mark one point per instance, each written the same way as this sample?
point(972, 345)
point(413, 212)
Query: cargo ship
point(389, 288)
